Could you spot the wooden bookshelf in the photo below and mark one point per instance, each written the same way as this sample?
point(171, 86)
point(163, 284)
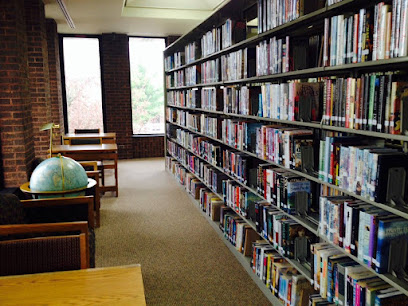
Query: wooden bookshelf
point(303, 23)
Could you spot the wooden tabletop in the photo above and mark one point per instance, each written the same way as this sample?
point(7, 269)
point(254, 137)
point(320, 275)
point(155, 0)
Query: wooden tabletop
point(107, 147)
point(90, 135)
point(121, 285)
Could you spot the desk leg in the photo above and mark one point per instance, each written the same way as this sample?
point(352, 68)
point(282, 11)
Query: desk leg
point(116, 176)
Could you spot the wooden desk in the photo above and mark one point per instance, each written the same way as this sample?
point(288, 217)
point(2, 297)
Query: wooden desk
point(106, 137)
point(121, 285)
point(98, 152)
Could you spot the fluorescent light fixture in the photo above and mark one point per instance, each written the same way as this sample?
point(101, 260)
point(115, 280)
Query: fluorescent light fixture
point(66, 14)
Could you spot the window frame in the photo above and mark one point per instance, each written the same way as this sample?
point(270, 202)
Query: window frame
point(63, 84)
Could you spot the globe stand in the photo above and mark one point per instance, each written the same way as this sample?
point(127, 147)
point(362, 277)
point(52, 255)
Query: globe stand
point(25, 188)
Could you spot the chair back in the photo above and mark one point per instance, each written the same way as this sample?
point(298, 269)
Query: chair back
point(85, 141)
point(43, 248)
point(60, 210)
point(86, 131)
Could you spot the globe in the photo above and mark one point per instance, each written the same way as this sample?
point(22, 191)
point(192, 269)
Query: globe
point(58, 174)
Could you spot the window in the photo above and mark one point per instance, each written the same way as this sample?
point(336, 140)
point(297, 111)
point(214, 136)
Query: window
point(146, 75)
point(83, 83)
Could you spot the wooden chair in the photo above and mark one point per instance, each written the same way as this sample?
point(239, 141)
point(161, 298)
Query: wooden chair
point(44, 247)
point(87, 131)
point(91, 168)
point(55, 210)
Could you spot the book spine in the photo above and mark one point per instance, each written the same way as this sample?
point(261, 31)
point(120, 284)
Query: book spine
point(355, 38)
point(397, 28)
point(375, 34)
point(326, 42)
point(403, 31)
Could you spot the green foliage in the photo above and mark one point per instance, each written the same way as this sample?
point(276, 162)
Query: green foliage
point(147, 99)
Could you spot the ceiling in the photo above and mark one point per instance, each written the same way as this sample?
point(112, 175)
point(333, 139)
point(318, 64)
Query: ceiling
point(132, 17)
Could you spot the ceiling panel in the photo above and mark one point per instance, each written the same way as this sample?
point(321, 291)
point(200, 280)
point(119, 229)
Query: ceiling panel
point(175, 4)
point(107, 16)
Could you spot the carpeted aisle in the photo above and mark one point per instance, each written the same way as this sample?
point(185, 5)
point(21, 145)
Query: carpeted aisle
point(153, 222)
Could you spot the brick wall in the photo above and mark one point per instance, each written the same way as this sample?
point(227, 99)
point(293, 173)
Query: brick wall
point(16, 133)
point(148, 146)
point(57, 115)
point(115, 68)
point(38, 73)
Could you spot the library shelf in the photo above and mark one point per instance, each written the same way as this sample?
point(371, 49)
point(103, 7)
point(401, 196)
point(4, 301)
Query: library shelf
point(315, 125)
point(387, 277)
point(299, 267)
point(308, 25)
point(243, 260)
point(402, 212)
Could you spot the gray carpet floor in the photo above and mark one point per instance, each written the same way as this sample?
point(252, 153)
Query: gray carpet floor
point(153, 223)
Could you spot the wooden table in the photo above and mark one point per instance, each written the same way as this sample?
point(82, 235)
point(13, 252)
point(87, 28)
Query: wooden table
point(98, 152)
point(105, 137)
point(121, 285)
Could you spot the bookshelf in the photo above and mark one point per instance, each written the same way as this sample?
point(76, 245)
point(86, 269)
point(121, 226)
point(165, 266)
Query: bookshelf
point(311, 25)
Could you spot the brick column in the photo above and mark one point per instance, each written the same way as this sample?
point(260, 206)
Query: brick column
point(57, 114)
point(116, 86)
point(38, 73)
point(16, 133)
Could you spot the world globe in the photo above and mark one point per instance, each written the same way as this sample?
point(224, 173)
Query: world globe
point(59, 174)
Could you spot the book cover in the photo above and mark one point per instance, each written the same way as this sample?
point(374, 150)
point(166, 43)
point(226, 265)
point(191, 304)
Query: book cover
point(389, 230)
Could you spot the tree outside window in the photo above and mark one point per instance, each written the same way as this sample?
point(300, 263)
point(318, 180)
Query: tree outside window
point(146, 71)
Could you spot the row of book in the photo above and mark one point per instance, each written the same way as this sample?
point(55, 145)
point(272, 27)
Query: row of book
point(238, 65)
point(294, 101)
point(279, 144)
point(211, 42)
point(341, 281)
point(372, 102)
point(232, 32)
point(176, 79)
point(375, 236)
point(364, 167)
point(284, 281)
point(272, 56)
point(176, 116)
point(287, 236)
point(191, 76)
point(284, 189)
point(239, 198)
point(201, 146)
point(238, 100)
point(210, 71)
point(184, 98)
point(367, 35)
point(273, 13)
point(174, 61)
point(211, 98)
point(211, 176)
point(191, 52)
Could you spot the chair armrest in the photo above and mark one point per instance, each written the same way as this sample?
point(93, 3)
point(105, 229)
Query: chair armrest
point(14, 229)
